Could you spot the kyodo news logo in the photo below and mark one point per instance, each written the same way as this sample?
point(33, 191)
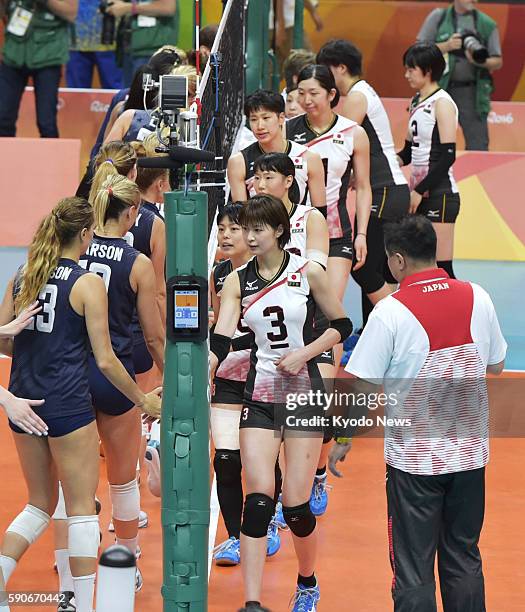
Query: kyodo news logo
point(506, 119)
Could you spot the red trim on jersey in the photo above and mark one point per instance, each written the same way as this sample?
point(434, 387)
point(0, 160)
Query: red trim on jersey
point(266, 290)
point(443, 306)
point(328, 136)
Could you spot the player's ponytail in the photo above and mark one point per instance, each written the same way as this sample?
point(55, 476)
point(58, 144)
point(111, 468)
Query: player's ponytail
point(114, 158)
point(57, 230)
point(116, 194)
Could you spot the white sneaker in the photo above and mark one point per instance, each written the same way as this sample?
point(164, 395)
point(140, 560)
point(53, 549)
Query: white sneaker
point(143, 522)
point(139, 582)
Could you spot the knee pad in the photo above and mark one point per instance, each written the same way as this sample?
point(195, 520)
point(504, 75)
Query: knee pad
point(30, 523)
point(300, 519)
point(83, 536)
point(258, 512)
point(227, 465)
point(368, 279)
point(60, 511)
point(225, 428)
point(126, 501)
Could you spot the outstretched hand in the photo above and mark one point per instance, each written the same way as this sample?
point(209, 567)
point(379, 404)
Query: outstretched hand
point(14, 327)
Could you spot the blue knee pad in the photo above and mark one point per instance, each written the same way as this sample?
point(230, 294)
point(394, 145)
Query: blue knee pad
point(258, 512)
point(300, 519)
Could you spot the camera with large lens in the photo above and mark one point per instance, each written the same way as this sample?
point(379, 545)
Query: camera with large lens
point(108, 24)
point(472, 43)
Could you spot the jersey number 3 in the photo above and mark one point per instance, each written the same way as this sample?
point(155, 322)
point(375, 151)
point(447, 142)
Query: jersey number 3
point(278, 322)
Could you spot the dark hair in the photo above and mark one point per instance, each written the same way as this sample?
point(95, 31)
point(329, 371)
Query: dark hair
point(413, 236)
point(230, 210)
point(267, 210)
point(283, 164)
point(323, 75)
point(264, 99)
point(426, 56)
point(294, 63)
point(207, 35)
point(339, 51)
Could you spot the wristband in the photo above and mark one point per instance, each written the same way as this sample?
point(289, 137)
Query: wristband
point(342, 440)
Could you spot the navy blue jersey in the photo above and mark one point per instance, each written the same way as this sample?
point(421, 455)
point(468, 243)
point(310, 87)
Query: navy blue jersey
point(139, 237)
point(140, 121)
point(50, 359)
point(112, 259)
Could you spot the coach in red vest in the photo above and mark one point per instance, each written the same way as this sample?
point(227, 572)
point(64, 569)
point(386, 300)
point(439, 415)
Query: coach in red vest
point(430, 345)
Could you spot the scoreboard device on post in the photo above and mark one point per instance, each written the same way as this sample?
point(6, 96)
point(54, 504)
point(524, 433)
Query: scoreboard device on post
point(187, 309)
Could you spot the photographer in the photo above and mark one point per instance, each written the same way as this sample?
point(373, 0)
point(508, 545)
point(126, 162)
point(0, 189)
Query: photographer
point(149, 24)
point(469, 40)
point(36, 45)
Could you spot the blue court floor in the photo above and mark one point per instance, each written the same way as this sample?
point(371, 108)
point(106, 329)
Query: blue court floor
point(504, 281)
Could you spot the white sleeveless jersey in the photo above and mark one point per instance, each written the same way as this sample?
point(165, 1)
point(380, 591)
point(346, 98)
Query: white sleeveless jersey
point(336, 147)
point(294, 151)
point(280, 314)
point(298, 234)
point(425, 141)
point(237, 363)
point(384, 168)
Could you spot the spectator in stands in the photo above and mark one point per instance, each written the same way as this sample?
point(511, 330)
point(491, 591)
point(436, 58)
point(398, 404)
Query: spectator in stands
point(87, 51)
point(152, 24)
point(467, 79)
point(34, 48)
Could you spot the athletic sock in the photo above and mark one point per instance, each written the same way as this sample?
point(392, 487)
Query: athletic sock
point(84, 588)
point(278, 481)
point(7, 565)
point(130, 544)
point(64, 571)
point(252, 604)
point(446, 265)
point(320, 473)
point(228, 467)
point(308, 581)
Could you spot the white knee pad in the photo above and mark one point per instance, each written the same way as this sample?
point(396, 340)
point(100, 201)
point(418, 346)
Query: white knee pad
point(60, 510)
point(83, 536)
point(30, 523)
point(225, 428)
point(126, 501)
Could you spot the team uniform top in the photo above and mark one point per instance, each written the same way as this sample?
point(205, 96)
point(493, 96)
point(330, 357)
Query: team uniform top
point(434, 370)
point(384, 167)
point(138, 127)
point(295, 151)
point(139, 237)
point(237, 363)
point(50, 357)
point(425, 141)
point(280, 314)
point(113, 259)
point(336, 147)
point(298, 220)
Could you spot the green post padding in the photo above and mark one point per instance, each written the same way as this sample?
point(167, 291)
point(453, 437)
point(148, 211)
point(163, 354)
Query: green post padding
point(257, 44)
point(298, 29)
point(185, 465)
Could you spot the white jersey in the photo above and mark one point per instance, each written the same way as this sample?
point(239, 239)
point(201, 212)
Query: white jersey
point(298, 234)
point(336, 148)
point(280, 314)
point(295, 151)
point(425, 141)
point(384, 167)
point(237, 363)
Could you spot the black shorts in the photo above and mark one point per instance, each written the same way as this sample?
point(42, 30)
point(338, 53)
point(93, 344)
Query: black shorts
point(228, 391)
point(278, 417)
point(142, 360)
point(440, 208)
point(107, 398)
point(391, 202)
point(341, 247)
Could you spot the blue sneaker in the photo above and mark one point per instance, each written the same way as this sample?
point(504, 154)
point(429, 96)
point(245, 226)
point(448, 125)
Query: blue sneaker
point(305, 598)
point(319, 496)
point(279, 517)
point(274, 539)
point(228, 553)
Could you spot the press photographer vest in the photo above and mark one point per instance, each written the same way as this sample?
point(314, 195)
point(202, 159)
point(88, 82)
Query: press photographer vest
point(150, 33)
point(45, 41)
point(485, 25)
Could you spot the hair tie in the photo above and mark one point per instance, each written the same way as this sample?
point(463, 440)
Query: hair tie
point(109, 161)
point(110, 191)
point(56, 215)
